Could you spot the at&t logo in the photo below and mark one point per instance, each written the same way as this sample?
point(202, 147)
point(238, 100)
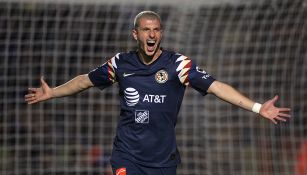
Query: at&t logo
point(132, 96)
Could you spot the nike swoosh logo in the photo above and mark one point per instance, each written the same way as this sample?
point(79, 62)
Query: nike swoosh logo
point(126, 75)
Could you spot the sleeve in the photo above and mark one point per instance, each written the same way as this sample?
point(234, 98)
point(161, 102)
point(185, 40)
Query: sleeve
point(190, 74)
point(104, 75)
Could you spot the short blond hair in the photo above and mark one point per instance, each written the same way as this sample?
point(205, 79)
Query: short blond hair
point(148, 15)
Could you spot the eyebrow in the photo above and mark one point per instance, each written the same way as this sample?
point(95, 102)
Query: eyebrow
point(145, 28)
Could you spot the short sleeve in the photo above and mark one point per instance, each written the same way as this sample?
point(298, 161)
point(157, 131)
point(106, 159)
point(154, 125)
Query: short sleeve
point(190, 74)
point(104, 75)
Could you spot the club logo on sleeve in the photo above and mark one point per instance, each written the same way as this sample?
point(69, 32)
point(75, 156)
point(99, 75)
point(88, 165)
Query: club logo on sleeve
point(141, 116)
point(161, 76)
point(121, 171)
point(132, 96)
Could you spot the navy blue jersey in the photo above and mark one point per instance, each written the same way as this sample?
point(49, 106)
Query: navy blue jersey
point(150, 99)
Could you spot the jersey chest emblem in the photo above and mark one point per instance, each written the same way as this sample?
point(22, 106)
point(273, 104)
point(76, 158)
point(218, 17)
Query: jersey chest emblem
point(161, 76)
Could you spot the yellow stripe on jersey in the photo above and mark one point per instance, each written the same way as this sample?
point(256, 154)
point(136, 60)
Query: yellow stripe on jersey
point(111, 71)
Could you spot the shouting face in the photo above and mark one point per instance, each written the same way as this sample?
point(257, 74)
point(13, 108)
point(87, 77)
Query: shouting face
point(148, 34)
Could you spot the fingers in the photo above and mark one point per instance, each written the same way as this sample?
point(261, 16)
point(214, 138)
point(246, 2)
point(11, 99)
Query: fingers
point(31, 93)
point(275, 98)
point(284, 109)
point(31, 98)
point(34, 94)
point(277, 118)
point(274, 121)
point(280, 119)
point(284, 115)
point(32, 101)
point(32, 90)
point(28, 96)
point(43, 82)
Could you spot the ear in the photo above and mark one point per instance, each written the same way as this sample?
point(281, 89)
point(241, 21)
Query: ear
point(134, 34)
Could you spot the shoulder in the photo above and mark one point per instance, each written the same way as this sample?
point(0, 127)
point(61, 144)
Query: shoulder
point(174, 57)
point(170, 54)
point(122, 57)
point(181, 61)
point(126, 55)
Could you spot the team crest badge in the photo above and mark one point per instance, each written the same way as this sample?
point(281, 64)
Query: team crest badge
point(161, 76)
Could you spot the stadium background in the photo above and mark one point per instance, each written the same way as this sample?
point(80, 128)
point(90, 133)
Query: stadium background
point(257, 46)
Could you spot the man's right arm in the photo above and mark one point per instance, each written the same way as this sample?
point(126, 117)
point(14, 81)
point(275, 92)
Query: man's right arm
point(44, 92)
point(76, 85)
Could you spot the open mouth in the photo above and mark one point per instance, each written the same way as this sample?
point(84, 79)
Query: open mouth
point(150, 44)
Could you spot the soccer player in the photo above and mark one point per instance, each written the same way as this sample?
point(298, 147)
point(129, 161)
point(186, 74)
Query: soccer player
point(151, 83)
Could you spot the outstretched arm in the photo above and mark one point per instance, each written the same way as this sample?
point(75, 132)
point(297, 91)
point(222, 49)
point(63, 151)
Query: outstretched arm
point(267, 109)
point(44, 92)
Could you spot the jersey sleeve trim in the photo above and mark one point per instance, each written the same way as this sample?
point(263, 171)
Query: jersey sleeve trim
point(183, 69)
point(105, 75)
point(112, 66)
point(191, 75)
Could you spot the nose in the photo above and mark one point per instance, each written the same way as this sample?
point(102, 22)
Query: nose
point(152, 33)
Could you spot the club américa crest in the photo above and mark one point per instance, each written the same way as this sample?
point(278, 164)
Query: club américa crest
point(161, 76)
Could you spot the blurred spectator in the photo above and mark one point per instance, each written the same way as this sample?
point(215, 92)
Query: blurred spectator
point(98, 159)
point(301, 164)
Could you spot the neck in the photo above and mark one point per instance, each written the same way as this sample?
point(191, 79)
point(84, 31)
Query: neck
point(149, 59)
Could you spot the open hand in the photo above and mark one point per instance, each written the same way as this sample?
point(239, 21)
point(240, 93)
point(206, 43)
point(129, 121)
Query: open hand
point(39, 94)
point(273, 113)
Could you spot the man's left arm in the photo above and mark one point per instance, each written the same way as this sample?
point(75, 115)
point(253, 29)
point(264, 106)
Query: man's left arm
point(267, 109)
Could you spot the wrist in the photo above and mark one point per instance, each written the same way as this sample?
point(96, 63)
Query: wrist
point(52, 93)
point(256, 108)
